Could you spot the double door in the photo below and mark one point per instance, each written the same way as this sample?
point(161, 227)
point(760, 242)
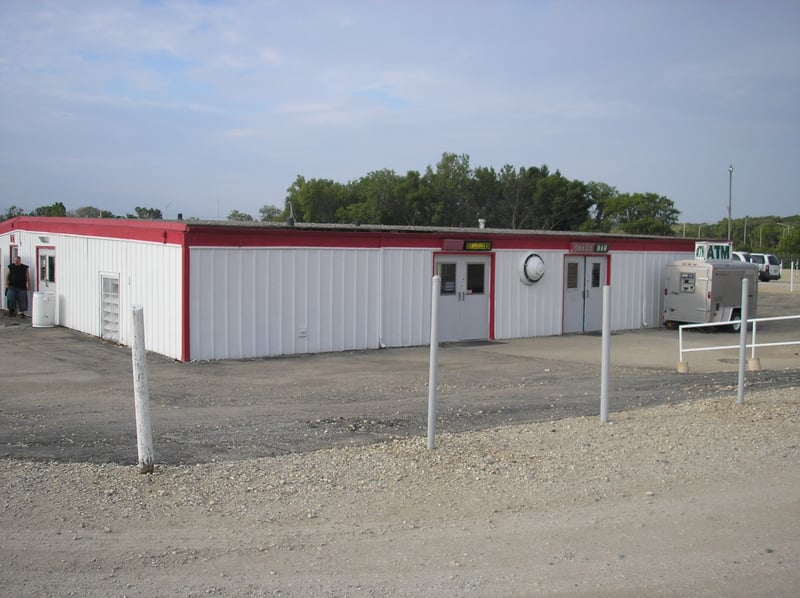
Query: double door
point(464, 296)
point(584, 278)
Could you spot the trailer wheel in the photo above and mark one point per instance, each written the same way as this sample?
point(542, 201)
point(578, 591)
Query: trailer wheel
point(736, 321)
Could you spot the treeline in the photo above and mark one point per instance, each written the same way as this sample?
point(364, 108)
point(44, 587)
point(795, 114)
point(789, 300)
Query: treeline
point(760, 234)
point(453, 194)
point(58, 209)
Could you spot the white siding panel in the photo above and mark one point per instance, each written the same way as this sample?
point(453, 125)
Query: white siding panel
point(636, 290)
point(406, 297)
point(255, 302)
point(528, 310)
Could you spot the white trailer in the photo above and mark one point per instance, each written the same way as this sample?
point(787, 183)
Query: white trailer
point(700, 292)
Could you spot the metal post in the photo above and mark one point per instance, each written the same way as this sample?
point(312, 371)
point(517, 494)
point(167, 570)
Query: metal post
point(683, 366)
point(144, 435)
point(606, 355)
point(743, 339)
point(434, 361)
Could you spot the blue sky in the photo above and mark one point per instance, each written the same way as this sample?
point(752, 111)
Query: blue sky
point(201, 107)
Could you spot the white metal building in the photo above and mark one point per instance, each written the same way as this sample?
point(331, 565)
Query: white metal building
point(214, 290)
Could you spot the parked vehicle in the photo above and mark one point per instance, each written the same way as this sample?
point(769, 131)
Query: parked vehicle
point(769, 266)
point(742, 256)
point(699, 292)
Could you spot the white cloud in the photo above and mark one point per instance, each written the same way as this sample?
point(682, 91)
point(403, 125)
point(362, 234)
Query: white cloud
point(269, 56)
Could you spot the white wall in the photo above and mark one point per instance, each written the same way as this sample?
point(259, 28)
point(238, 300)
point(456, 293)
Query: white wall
point(406, 297)
point(528, 310)
point(255, 302)
point(636, 288)
point(523, 311)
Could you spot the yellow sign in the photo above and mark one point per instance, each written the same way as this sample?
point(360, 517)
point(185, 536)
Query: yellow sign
point(477, 245)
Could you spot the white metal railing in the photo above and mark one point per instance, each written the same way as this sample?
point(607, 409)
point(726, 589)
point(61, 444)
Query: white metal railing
point(755, 322)
point(753, 344)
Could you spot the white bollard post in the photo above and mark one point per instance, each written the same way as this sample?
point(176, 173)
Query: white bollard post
point(605, 355)
point(144, 435)
point(743, 340)
point(434, 359)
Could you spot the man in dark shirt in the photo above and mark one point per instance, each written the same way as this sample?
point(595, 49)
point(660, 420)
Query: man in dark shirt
point(18, 283)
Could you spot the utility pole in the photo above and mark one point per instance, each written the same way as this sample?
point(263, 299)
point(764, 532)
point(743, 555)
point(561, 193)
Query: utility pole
point(730, 189)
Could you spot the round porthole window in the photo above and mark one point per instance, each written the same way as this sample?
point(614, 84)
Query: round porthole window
point(531, 268)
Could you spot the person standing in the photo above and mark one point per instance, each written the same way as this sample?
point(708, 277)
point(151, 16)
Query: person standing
point(18, 283)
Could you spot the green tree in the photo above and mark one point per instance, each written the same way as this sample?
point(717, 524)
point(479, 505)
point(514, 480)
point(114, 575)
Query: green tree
point(56, 209)
point(315, 200)
point(270, 213)
point(371, 199)
point(238, 216)
point(412, 208)
point(146, 213)
point(514, 198)
point(12, 212)
point(451, 191)
point(559, 203)
point(600, 194)
point(486, 195)
point(642, 213)
point(91, 212)
point(789, 245)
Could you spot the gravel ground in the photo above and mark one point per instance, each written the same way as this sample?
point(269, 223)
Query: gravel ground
point(311, 476)
point(696, 498)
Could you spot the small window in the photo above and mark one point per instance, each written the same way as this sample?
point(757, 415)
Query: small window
point(572, 275)
point(475, 279)
point(595, 275)
point(447, 272)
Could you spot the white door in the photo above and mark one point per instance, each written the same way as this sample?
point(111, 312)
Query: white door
point(46, 279)
point(584, 277)
point(464, 297)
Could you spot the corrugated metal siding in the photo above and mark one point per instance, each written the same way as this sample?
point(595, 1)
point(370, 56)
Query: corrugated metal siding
point(255, 302)
point(261, 301)
point(528, 310)
point(406, 297)
point(636, 288)
point(149, 275)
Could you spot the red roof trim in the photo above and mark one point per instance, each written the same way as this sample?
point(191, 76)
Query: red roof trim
point(237, 235)
point(155, 231)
